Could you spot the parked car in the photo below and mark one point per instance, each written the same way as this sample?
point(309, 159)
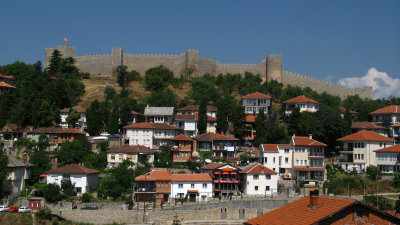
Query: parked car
point(24, 209)
point(3, 208)
point(12, 209)
point(90, 207)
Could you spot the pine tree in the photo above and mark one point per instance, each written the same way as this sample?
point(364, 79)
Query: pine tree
point(202, 122)
point(94, 120)
point(261, 128)
point(55, 62)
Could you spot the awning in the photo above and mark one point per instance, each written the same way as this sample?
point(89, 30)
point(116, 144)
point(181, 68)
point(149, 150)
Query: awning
point(193, 191)
point(216, 172)
point(225, 173)
point(43, 175)
point(234, 173)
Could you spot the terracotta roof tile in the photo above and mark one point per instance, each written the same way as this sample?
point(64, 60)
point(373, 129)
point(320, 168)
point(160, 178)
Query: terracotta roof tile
point(210, 108)
point(250, 118)
point(388, 109)
point(367, 125)
point(306, 141)
point(301, 99)
point(256, 95)
point(270, 147)
point(70, 131)
point(131, 149)
point(4, 84)
point(306, 168)
point(343, 110)
point(155, 175)
point(213, 166)
point(181, 137)
point(256, 168)
point(192, 177)
point(394, 148)
point(365, 135)
point(194, 117)
point(72, 169)
point(136, 113)
point(153, 126)
point(214, 137)
point(396, 125)
point(56, 130)
point(77, 108)
point(298, 212)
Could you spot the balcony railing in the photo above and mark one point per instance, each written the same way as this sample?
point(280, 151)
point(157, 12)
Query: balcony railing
point(316, 154)
point(144, 189)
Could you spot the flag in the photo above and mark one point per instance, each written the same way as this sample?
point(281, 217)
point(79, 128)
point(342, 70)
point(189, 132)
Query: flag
point(65, 39)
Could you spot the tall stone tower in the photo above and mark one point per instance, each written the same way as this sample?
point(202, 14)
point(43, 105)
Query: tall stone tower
point(117, 59)
point(274, 68)
point(66, 51)
point(191, 61)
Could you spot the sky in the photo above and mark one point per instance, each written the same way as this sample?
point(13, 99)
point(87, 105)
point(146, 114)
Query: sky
point(352, 43)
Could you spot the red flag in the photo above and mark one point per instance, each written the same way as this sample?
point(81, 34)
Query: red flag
point(65, 39)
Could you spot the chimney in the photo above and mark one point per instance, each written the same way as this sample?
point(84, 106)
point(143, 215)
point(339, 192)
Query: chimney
point(152, 167)
point(310, 136)
point(313, 198)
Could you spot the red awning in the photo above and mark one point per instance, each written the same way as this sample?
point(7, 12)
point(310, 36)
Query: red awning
point(225, 173)
point(193, 191)
point(43, 175)
point(234, 173)
point(216, 172)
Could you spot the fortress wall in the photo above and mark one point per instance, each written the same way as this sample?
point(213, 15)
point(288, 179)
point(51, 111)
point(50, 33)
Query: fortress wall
point(321, 86)
point(141, 63)
point(95, 64)
point(207, 65)
point(236, 68)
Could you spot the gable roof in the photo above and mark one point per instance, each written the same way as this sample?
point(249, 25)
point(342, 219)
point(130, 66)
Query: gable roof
point(70, 131)
point(164, 126)
point(270, 147)
point(307, 141)
point(73, 169)
point(14, 162)
point(257, 168)
point(4, 84)
point(394, 148)
point(387, 109)
point(136, 113)
point(250, 118)
point(213, 166)
point(365, 135)
point(256, 95)
point(214, 137)
point(209, 108)
point(158, 111)
point(131, 149)
point(77, 108)
point(155, 175)
point(367, 125)
point(343, 110)
point(194, 117)
point(301, 99)
point(181, 137)
point(192, 177)
point(56, 130)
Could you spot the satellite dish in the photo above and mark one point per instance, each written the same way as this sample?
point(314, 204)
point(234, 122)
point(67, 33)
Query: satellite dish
point(208, 161)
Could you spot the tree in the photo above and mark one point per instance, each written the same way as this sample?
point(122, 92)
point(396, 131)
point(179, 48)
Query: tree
point(114, 121)
point(250, 83)
point(261, 128)
point(94, 120)
point(244, 158)
point(373, 173)
point(238, 119)
point(276, 134)
point(397, 206)
point(52, 193)
point(96, 161)
point(203, 90)
point(154, 82)
point(55, 62)
point(4, 171)
point(162, 98)
point(202, 122)
point(166, 74)
point(122, 75)
point(73, 117)
point(68, 188)
point(163, 157)
point(72, 152)
point(41, 162)
point(109, 93)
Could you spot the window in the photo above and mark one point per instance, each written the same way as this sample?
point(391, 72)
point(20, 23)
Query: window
point(255, 177)
point(112, 156)
point(162, 184)
point(166, 184)
point(121, 157)
point(267, 188)
point(204, 185)
point(268, 176)
point(180, 185)
point(191, 185)
point(265, 159)
point(256, 188)
point(362, 156)
point(301, 162)
point(158, 184)
point(297, 162)
point(273, 160)
point(286, 160)
point(305, 162)
point(286, 150)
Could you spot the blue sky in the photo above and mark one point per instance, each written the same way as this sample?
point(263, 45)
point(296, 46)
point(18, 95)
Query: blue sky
point(329, 40)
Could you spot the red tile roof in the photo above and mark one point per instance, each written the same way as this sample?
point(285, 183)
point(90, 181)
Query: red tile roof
point(152, 126)
point(4, 84)
point(256, 95)
point(136, 113)
point(56, 130)
point(365, 135)
point(301, 99)
point(298, 212)
point(70, 131)
point(257, 168)
point(193, 117)
point(270, 147)
point(131, 149)
point(343, 110)
point(250, 118)
point(210, 108)
point(394, 148)
point(306, 141)
point(306, 168)
point(77, 108)
point(387, 110)
point(192, 177)
point(214, 137)
point(181, 137)
point(155, 175)
point(367, 125)
point(72, 169)
point(213, 166)
point(396, 125)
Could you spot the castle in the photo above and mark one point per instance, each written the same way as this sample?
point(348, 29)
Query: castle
point(269, 68)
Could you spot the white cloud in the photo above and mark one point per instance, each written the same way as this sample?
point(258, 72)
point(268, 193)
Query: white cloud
point(383, 85)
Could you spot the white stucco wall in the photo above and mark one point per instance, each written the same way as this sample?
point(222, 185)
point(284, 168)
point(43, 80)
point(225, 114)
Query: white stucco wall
point(198, 185)
point(83, 181)
point(249, 184)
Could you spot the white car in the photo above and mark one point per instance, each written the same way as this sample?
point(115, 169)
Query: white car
point(3, 208)
point(24, 209)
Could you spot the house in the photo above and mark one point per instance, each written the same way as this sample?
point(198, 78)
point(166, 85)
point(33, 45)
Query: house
point(20, 172)
point(303, 103)
point(195, 187)
point(388, 115)
point(371, 126)
point(182, 148)
point(151, 135)
point(84, 179)
point(395, 131)
point(358, 149)
point(259, 180)
point(225, 178)
point(9, 137)
point(220, 145)
point(135, 117)
point(188, 123)
point(308, 159)
point(387, 159)
point(154, 186)
point(254, 102)
point(343, 111)
point(278, 157)
point(315, 209)
point(194, 109)
point(56, 135)
point(138, 154)
point(81, 124)
point(250, 129)
point(159, 114)
point(5, 88)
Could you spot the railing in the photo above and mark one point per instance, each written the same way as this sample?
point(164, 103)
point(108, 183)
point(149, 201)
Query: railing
point(316, 154)
point(345, 160)
point(144, 189)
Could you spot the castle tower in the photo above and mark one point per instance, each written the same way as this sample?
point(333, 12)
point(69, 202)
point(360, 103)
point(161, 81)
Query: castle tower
point(191, 61)
point(274, 68)
point(117, 59)
point(66, 51)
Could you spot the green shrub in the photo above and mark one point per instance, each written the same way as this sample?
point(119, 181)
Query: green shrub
point(86, 197)
point(43, 214)
point(383, 202)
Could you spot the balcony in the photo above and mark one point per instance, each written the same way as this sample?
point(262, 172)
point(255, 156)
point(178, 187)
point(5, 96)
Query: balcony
point(145, 189)
point(346, 151)
point(316, 155)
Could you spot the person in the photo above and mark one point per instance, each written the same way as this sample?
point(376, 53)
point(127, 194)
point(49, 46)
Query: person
point(60, 211)
point(182, 219)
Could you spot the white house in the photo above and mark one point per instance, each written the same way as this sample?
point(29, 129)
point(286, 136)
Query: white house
point(254, 102)
point(84, 179)
point(159, 114)
point(259, 180)
point(19, 173)
point(135, 153)
point(303, 103)
point(197, 187)
point(371, 126)
point(390, 114)
point(81, 124)
point(358, 149)
point(194, 109)
point(278, 157)
point(395, 130)
point(387, 159)
point(188, 122)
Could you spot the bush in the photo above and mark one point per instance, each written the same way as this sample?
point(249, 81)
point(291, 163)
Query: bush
point(52, 193)
point(86, 197)
point(44, 214)
point(396, 180)
point(373, 173)
point(383, 202)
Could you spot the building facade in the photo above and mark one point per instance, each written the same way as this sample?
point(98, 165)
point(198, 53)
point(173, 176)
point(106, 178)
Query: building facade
point(388, 115)
point(193, 187)
point(159, 114)
point(220, 145)
point(279, 158)
point(138, 154)
point(80, 124)
point(388, 159)
point(254, 102)
point(303, 103)
point(154, 186)
point(258, 179)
